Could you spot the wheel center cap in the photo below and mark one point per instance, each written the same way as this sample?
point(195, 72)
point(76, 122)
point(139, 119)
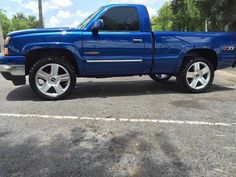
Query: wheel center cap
point(198, 74)
point(53, 79)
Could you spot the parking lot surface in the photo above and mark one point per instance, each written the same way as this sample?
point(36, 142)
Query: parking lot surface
point(120, 127)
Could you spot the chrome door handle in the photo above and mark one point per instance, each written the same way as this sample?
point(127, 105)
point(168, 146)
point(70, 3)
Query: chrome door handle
point(137, 40)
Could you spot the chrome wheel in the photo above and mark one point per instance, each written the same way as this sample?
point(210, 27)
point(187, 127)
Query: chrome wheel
point(198, 75)
point(162, 76)
point(52, 80)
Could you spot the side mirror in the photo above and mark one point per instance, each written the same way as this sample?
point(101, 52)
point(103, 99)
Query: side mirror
point(98, 25)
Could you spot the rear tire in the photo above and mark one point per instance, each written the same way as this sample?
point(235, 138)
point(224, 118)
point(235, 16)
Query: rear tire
point(196, 75)
point(52, 78)
point(160, 77)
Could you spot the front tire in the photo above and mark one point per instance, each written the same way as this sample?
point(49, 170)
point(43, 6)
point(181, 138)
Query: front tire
point(52, 78)
point(196, 75)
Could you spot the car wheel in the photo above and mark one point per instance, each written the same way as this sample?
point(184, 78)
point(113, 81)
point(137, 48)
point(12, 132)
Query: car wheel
point(52, 78)
point(196, 75)
point(160, 77)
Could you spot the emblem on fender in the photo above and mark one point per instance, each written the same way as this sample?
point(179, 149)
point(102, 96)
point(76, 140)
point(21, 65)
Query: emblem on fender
point(229, 48)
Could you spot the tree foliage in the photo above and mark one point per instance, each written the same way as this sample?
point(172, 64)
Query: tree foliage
point(5, 23)
point(187, 16)
point(192, 15)
point(19, 21)
point(164, 19)
point(220, 13)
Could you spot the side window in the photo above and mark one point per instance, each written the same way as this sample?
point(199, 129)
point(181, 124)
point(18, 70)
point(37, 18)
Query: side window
point(121, 19)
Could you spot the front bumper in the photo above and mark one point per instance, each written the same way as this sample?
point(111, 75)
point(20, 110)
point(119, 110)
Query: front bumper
point(14, 73)
point(13, 68)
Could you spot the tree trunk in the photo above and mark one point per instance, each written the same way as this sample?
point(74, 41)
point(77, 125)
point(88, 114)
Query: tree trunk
point(1, 41)
point(41, 25)
point(206, 24)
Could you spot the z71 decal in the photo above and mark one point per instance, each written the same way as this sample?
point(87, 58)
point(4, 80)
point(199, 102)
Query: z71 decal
point(229, 48)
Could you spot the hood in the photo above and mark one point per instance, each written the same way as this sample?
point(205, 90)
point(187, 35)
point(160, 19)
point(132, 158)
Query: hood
point(40, 30)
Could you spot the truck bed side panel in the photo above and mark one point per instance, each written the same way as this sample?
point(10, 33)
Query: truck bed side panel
point(171, 47)
point(167, 50)
point(228, 51)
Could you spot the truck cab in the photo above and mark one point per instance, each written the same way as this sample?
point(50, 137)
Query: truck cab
point(122, 45)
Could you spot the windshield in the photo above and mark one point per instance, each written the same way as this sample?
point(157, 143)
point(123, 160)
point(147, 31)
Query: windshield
point(89, 18)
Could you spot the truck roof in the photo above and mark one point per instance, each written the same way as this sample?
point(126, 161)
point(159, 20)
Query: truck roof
point(125, 5)
point(131, 5)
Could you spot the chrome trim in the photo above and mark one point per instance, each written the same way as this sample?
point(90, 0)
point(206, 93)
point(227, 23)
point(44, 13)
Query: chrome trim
point(15, 70)
point(91, 53)
point(137, 40)
point(45, 80)
point(112, 61)
point(198, 77)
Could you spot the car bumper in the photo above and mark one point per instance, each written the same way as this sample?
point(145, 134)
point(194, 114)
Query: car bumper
point(227, 62)
point(234, 65)
point(14, 73)
point(13, 68)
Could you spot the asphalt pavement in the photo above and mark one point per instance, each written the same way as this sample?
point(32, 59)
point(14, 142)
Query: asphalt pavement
point(128, 126)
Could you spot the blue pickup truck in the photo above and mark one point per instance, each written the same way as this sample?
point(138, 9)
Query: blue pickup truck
point(116, 40)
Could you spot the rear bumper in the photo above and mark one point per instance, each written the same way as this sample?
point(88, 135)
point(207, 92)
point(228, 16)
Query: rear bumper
point(234, 64)
point(227, 62)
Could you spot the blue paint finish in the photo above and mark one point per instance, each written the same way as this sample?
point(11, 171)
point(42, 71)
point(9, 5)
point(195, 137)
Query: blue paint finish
point(113, 46)
point(171, 47)
point(23, 43)
point(158, 52)
point(12, 60)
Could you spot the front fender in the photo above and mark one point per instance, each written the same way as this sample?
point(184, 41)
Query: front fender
point(54, 45)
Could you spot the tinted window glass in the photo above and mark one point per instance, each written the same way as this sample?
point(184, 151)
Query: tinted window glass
point(87, 20)
point(121, 19)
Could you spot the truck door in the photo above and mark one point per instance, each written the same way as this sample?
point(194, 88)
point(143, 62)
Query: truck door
point(118, 49)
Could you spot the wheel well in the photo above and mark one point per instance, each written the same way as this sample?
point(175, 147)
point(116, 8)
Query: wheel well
point(206, 53)
point(35, 55)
